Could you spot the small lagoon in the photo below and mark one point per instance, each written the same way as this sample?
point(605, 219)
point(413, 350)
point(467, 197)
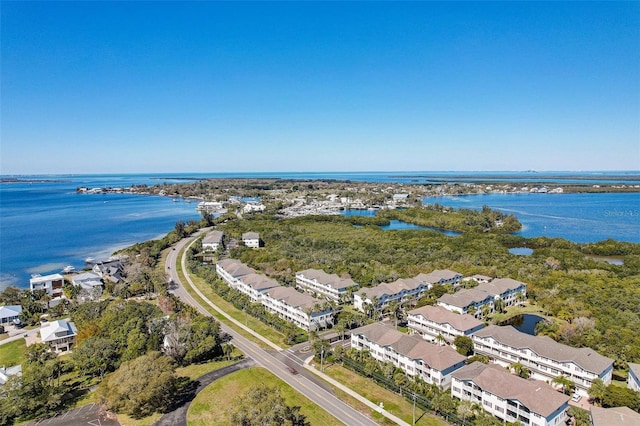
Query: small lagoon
point(525, 323)
point(521, 251)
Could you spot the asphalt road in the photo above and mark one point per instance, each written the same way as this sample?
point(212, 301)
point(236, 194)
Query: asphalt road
point(275, 362)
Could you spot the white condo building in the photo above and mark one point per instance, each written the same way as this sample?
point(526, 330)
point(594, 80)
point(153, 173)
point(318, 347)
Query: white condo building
point(543, 356)
point(475, 300)
point(509, 397)
point(301, 309)
point(416, 357)
point(52, 284)
point(230, 270)
point(385, 293)
point(254, 285)
point(434, 321)
point(439, 276)
point(212, 241)
point(321, 283)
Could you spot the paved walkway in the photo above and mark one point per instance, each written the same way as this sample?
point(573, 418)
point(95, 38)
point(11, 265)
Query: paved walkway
point(178, 417)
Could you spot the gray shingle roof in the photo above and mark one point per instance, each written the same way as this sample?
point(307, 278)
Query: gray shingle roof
point(500, 285)
point(259, 281)
point(464, 298)
point(437, 276)
point(441, 315)
point(330, 280)
point(615, 416)
point(235, 268)
point(292, 297)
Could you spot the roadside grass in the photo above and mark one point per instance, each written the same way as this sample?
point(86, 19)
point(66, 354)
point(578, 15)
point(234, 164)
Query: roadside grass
point(211, 405)
point(12, 353)
point(393, 403)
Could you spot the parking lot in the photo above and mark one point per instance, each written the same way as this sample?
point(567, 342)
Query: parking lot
point(90, 414)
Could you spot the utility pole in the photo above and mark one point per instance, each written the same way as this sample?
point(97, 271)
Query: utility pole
point(322, 359)
point(414, 409)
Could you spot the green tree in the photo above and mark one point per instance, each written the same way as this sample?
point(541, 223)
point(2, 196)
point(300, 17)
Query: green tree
point(140, 387)
point(94, 357)
point(265, 406)
point(597, 391)
point(565, 383)
point(464, 345)
point(520, 370)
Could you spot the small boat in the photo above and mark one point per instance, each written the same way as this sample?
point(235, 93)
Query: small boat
point(68, 269)
point(89, 260)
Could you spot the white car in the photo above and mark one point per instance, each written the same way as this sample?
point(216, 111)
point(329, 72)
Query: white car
point(576, 397)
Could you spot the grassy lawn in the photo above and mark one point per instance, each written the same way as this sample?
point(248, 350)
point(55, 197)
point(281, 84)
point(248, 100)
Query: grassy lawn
point(12, 353)
point(393, 403)
point(211, 405)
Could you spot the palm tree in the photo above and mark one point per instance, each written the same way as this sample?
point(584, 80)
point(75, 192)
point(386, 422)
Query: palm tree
point(441, 340)
point(565, 383)
point(520, 370)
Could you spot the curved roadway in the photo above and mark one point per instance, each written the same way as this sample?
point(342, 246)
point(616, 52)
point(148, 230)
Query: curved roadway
point(316, 393)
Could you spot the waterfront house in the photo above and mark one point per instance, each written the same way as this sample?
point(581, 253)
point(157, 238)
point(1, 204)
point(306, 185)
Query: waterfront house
point(87, 280)
point(614, 416)
point(59, 335)
point(112, 270)
point(229, 270)
point(254, 285)
point(416, 357)
point(329, 285)
point(543, 356)
point(251, 239)
point(51, 284)
point(212, 241)
point(509, 397)
point(9, 314)
point(633, 381)
point(300, 309)
point(434, 321)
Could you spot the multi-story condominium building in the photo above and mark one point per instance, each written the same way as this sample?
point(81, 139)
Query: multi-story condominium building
point(59, 335)
point(212, 241)
point(439, 276)
point(328, 285)
point(232, 269)
point(471, 301)
point(254, 285)
point(301, 309)
point(506, 289)
point(52, 284)
point(416, 357)
point(251, 239)
point(483, 297)
point(434, 321)
point(509, 397)
point(633, 381)
point(614, 416)
point(543, 356)
point(384, 293)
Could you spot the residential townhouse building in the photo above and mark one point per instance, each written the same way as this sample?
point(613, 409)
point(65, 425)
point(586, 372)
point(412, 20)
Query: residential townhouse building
point(543, 356)
point(59, 335)
point(52, 284)
point(416, 357)
point(385, 293)
point(230, 270)
point(509, 397)
point(614, 416)
point(251, 239)
point(633, 380)
point(434, 321)
point(254, 285)
point(212, 241)
point(471, 301)
point(439, 276)
point(329, 285)
point(300, 309)
point(506, 289)
point(9, 314)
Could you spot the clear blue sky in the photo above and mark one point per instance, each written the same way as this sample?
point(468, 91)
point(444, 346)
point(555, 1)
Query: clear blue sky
point(125, 87)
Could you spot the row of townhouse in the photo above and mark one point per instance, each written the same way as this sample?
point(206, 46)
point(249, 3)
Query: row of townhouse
point(474, 300)
point(416, 357)
point(215, 240)
point(431, 322)
point(300, 309)
point(509, 397)
point(405, 288)
point(543, 356)
point(330, 286)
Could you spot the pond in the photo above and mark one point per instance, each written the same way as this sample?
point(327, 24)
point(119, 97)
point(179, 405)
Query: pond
point(521, 251)
point(525, 323)
point(395, 225)
point(613, 260)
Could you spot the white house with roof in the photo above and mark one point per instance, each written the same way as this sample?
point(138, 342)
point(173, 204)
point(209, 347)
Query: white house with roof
point(467, 301)
point(434, 321)
point(416, 357)
point(212, 241)
point(509, 397)
point(633, 381)
point(59, 335)
point(52, 284)
point(543, 356)
point(9, 314)
point(251, 239)
point(439, 276)
point(328, 285)
point(298, 308)
point(385, 293)
point(230, 270)
point(87, 280)
point(6, 373)
point(506, 289)
point(253, 207)
point(254, 285)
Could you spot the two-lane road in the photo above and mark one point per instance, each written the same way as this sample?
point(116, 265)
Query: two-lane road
point(318, 394)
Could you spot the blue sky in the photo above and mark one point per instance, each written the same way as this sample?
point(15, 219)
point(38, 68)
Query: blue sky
point(125, 87)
